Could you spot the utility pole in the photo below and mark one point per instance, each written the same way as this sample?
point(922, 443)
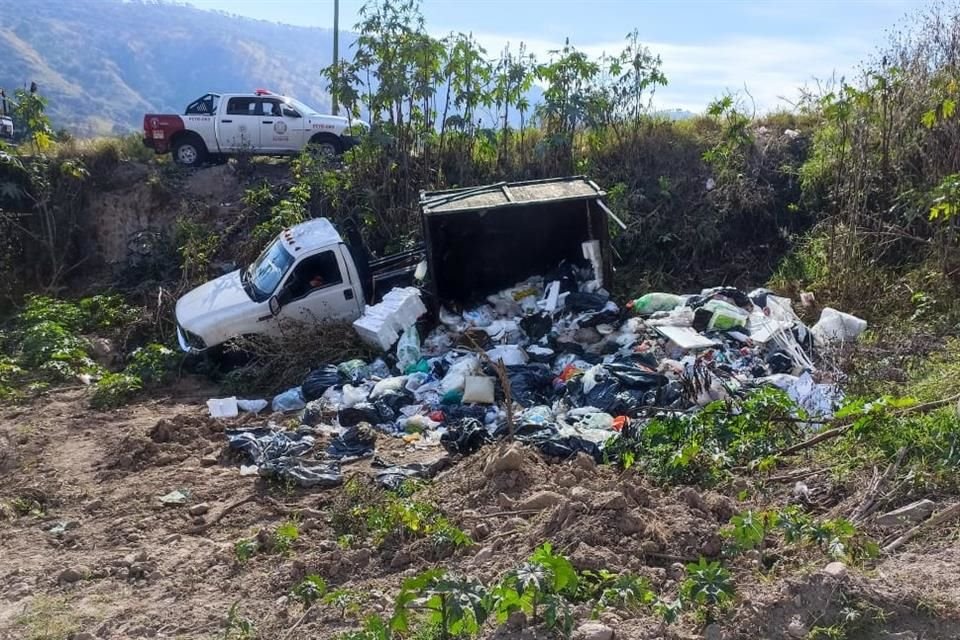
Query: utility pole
point(334, 86)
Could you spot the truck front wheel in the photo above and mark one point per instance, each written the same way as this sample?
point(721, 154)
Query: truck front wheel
point(326, 144)
point(187, 152)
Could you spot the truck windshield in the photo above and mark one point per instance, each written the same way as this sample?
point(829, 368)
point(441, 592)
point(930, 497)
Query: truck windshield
point(262, 277)
point(299, 106)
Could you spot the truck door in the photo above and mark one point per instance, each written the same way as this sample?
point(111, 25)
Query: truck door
point(319, 289)
point(281, 127)
point(239, 124)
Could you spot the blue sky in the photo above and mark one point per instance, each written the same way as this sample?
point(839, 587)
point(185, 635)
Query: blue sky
point(772, 47)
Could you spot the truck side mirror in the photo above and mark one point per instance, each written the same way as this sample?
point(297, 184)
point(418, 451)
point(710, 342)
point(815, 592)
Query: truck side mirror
point(274, 305)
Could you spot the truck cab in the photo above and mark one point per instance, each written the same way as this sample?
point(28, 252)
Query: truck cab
point(306, 274)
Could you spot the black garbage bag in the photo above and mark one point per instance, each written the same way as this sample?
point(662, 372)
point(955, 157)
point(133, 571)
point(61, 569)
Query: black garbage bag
point(645, 359)
point(530, 384)
point(779, 362)
point(610, 397)
point(569, 446)
point(548, 440)
point(307, 474)
point(579, 301)
point(457, 412)
point(277, 453)
point(543, 355)
point(391, 475)
point(318, 381)
point(465, 437)
point(371, 413)
point(605, 316)
point(356, 442)
point(566, 273)
point(536, 325)
point(738, 297)
point(394, 401)
point(670, 395)
point(633, 377)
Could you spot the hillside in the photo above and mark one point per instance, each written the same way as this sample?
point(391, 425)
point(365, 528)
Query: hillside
point(103, 63)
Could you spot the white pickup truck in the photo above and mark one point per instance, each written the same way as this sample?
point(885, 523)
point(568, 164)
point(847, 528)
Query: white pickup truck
point(306, 274)
point(258, 123)
point(477, 240)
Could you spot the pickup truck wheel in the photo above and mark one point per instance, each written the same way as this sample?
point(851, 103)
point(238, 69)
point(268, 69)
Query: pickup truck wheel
point(326, 144)
point(188, 153)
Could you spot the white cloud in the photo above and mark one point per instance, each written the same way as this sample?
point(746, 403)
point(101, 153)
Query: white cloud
point(770, 68)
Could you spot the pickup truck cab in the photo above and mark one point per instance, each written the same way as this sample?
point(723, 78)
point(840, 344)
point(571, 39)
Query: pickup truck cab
point(306, 274)
point(258, 123)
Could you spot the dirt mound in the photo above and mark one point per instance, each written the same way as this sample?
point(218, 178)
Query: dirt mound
point(170, 441)
point(597, 515)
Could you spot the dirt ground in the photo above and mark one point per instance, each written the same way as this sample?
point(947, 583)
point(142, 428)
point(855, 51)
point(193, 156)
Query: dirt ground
point(99, 556)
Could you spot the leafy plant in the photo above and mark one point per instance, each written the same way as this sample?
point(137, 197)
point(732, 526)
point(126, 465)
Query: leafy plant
point(285, 535)
point(152, 363)
point(345, 600)
point(708, 586)
point(114, 390)
point(244, 549)
point(310, 590)
point(697, 449)
point(238, 627)
point(540, 587)
point(456, 605)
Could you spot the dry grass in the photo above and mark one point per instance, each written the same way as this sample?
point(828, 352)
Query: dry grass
point(278, 363)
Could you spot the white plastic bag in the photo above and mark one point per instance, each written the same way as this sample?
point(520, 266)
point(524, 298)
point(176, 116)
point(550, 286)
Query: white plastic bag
point(222, 407)
point(353, 396)
point(252, 406)
point(386, 385)
point(837, 326)
point(511, 355)
point(478, 390)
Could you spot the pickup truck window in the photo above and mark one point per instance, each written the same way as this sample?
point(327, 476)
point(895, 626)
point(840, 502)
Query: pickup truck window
point(263, 276)
point(314, 272)
point(243, 106)
point(206, 106)
point(270, 107)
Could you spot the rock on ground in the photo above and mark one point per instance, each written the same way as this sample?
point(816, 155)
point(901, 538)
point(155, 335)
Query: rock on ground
point(593, 631)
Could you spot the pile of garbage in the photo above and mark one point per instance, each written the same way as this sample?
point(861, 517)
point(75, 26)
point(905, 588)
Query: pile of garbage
point(570, 365)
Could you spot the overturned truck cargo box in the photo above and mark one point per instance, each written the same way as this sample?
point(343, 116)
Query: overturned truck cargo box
point(482, 239)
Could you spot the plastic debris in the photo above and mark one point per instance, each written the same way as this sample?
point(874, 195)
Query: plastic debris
point(223, 407)
point(837, 326)
point(289, 400)
point(252, 406)
point(178, 496)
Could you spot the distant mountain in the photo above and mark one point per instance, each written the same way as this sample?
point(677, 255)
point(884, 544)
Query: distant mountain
point(675, 114)
point(104, 63)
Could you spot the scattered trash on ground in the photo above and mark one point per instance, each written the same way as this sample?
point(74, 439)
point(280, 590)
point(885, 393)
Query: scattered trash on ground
point(578, 369)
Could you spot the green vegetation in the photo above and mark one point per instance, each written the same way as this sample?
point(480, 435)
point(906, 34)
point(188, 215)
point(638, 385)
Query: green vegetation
point(310, 590)
point(708, 586)
point(364, 511)
point(701, 448)
point(237, 626)
point(837, 537)
point(441, 604)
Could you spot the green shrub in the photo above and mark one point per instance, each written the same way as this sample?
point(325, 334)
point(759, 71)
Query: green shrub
point(114, 389)
point(152, 363)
